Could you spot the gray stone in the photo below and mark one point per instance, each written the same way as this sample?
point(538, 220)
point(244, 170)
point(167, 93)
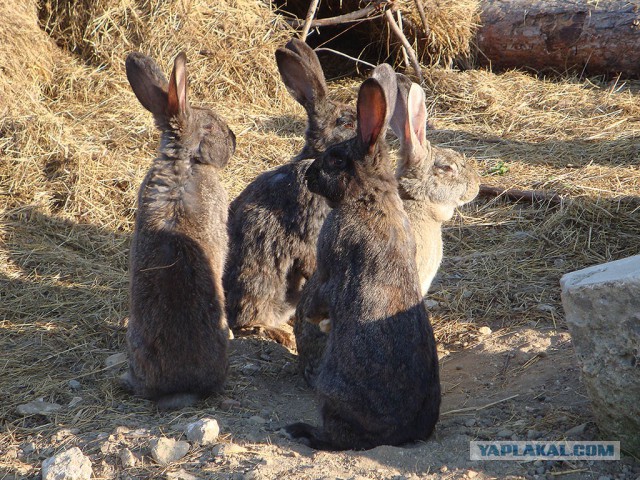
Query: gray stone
point(203, 432)
point(576, 431)
point(167, 450)
point(602, 307)
point(505, 433)
point(115, 360)
point(127, 458)
point(74, 385)
point(68, 465)
point(38, 407)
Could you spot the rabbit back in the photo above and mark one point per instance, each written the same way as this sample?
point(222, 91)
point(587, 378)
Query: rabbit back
point(177, 335)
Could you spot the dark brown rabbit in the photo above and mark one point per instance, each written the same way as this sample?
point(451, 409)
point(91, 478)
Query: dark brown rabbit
point(274, 223)
point(378, 381)
point(177, 335)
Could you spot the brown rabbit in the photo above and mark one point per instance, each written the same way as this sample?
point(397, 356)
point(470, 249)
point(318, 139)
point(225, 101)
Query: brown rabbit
point(378, 381)
point(274, 223)
point(433, 181)
point(177, 335)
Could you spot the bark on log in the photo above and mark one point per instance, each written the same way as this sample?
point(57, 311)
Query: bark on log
point(560, 35)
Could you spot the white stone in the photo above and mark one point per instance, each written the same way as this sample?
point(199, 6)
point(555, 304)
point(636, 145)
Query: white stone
point(602, 308)
point(203, 432)
point(115, 360)
point(167, 450)
point(38, 407)
point(68, 465)
point(484, 331)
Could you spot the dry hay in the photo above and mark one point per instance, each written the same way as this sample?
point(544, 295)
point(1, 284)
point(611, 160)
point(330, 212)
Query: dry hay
point(75, 146)
point(448, 39)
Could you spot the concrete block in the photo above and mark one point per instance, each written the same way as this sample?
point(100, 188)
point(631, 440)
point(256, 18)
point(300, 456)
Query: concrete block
point(602, 308)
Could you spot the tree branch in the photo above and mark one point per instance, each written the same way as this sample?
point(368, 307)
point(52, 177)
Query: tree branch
point(313, 7)
point(410, 51)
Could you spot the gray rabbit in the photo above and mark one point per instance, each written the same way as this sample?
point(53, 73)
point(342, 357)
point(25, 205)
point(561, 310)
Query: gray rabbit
point(378, 382)
point(433, 181)
point(274, 223)
point(177, 335)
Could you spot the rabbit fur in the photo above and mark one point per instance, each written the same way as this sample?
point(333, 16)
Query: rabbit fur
point(378, 382)
point(433, 181)
point(177, 335)
point(274, 223)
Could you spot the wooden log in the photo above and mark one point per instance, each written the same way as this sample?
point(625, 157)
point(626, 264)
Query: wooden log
point(561, 35)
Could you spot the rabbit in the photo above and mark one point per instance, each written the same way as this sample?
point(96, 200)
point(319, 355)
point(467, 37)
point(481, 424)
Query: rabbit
point(177, 335)
point(274, 223)
point(378, 383)
point(433, 181)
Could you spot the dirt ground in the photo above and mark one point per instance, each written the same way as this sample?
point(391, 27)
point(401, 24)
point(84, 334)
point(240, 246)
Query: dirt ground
point(517, 384)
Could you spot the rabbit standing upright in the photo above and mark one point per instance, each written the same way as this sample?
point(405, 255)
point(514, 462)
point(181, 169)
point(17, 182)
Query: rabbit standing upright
point(378, 381)
point(274, 222)
point(177, 335)
point(433, 181)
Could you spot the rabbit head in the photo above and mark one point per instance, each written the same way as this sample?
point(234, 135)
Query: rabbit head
point(328, 121)
point(350, 170)
point(197, 132)
point(440, 176)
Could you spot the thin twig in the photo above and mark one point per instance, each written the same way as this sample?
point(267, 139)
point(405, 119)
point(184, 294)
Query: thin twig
point(313, 7)
point(475, 409)
point(516, 195)
point(412, 54)
point(357, 60)
point(357, 16)
point(405, 57)
point(423, 17)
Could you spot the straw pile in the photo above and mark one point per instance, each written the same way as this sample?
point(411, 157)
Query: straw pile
point(75, 144)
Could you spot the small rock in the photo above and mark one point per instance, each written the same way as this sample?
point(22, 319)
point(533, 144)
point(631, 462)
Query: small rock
point(115, 360)
point(68, 465)
point(38, 407)
point(75, 401)
point(203, 432)
point(604, 477)
point(533, 434)
point(257, 420)
point(252, 475)
point(545, 307)
point(127, 458)
point(576, 431)
point(470, 422)
point(484, 331)
point(64, 433)
point(431, 303)
point(541, 470)
point(227, 449)
point(505, 433)
point(472, 474)
point(249, 369)
point(167, 450)
point(444, 469)
point(74, 385)
point(28, 448)
point(181, 475)
point(229, 403)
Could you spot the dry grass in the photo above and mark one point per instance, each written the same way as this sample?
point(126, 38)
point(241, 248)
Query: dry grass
point(74, 146)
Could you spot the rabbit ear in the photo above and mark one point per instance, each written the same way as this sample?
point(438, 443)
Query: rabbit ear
point(386, 77)
point(398, 120)
point(309, 55)
point(372, 113)
point(147, 82)
point(177, 97)
point(305, 85)
point(416, 116)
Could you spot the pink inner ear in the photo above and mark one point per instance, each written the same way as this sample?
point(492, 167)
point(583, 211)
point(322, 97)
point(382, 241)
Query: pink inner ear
point(178, 86)
point(417, 113)
point(372, 110)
